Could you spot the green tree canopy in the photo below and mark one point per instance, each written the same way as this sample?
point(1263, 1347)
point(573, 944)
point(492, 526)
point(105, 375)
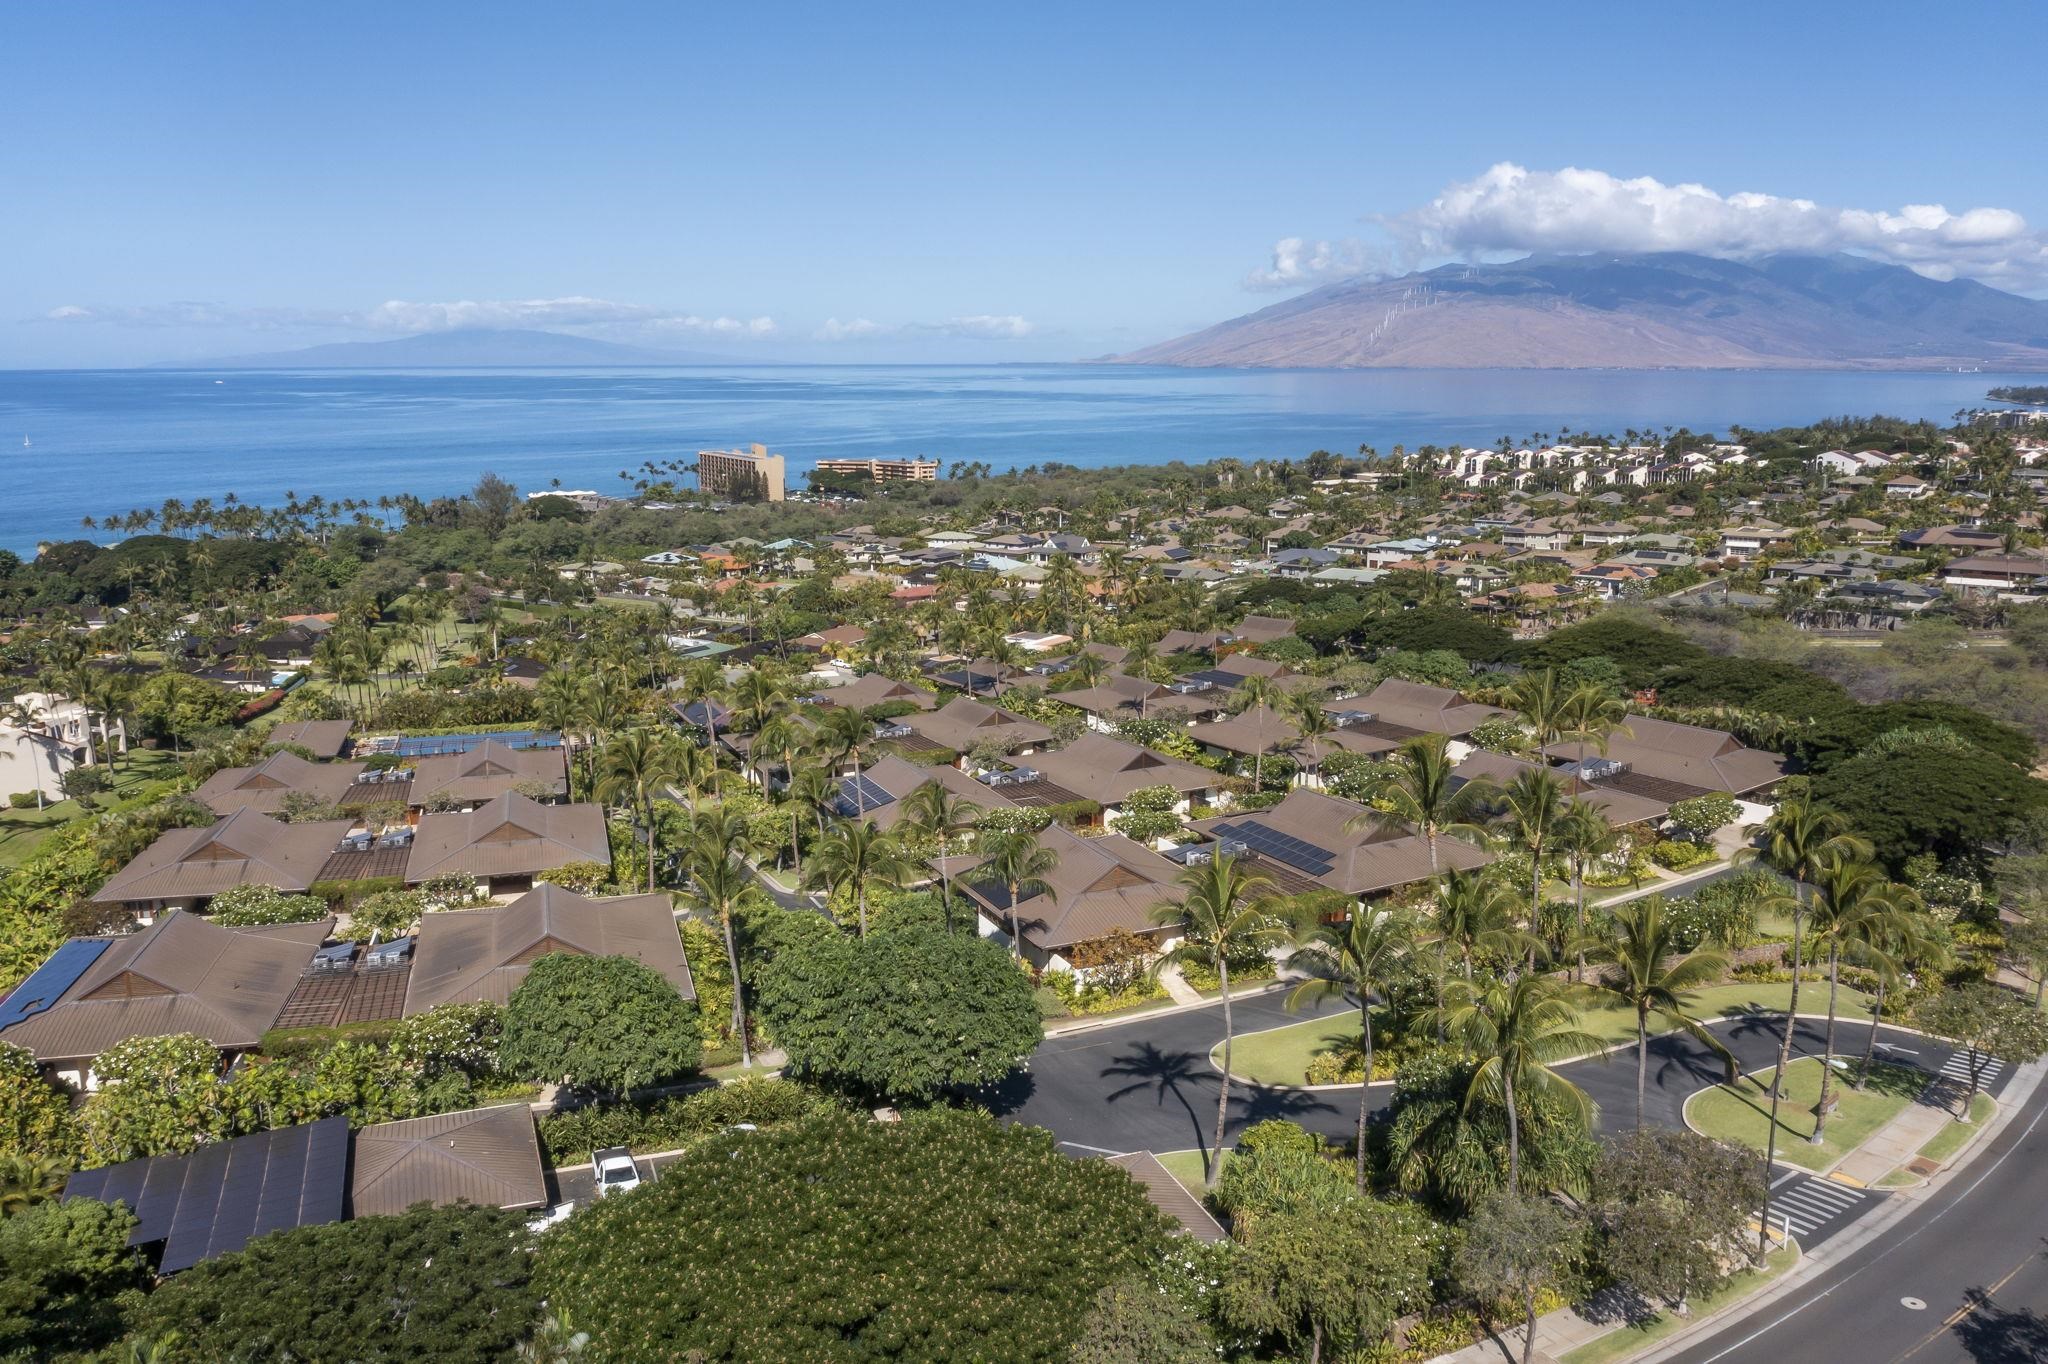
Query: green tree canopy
point(608, 1023)
point(61, 1265)
point(906, 1014)
point(944, 1237)
point(1925, 798)
point(35, 1116)
point(448, 1284)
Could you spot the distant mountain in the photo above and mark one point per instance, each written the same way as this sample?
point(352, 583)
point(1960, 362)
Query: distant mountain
point(1662, 311)
point(471, 348)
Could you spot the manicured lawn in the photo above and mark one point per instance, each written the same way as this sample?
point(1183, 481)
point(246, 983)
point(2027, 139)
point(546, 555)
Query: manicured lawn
point(1952, 1138)
point(1190, 1168)
point(1281, 1056)
point(1627, 1340)
point(1741, 1112)
point(23, 831)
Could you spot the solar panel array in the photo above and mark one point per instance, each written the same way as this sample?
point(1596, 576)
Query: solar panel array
point(1280, 847)
point(1215, 677)
point(47, 983)
point(858, 794)
point(223, 1196)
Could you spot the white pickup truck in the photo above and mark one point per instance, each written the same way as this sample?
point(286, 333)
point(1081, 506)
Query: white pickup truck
point(615, 1169)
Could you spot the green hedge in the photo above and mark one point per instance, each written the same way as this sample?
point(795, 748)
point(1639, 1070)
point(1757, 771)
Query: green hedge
point(660, 1124)
point(291, 1043)
point(339, 892)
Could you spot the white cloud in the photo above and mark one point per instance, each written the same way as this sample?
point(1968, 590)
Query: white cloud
point(1298, 262)
point(980, 327)
point(983, 327)
point(835, 330)
point(1511, 210)
point(401, 318)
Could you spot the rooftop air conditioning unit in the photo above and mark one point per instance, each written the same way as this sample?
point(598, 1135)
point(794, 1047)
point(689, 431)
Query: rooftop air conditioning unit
point(356, 843)
point(388, 953)
point(1349, 718)
point(1600, 769)
point(892, 731)
point(1187, 688)
point(1233, 847)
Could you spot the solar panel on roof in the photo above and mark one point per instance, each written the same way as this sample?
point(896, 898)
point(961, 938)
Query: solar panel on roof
point(1295, 852)
point(862, 794)
point(48, 982)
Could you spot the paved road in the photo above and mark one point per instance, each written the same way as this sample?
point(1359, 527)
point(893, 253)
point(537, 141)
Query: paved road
point(1149, 1085)
point(1963, 1280)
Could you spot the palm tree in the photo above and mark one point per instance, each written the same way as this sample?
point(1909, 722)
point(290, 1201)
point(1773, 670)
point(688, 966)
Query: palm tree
point(934, 809)
point(1584, 835)
point(1084, 670)
point(1426, 797)
point(781, 735)
point(1352, 960)
point(1801, 840)
point(1540, 700)
point(696, 768)
point(1649, 974)
point(1264, 695)
point(635, 765)
point(757, 697)
point(1475, 913)
point(716, 856)
point(808, 789)
point(1517, 1030)
point(1312, 724)
point(852, 854)
point(1852, 910)
point(845, 734)
point(1896, 940)
point(1535, 803)
point(1227, 911)
point(1019, 863)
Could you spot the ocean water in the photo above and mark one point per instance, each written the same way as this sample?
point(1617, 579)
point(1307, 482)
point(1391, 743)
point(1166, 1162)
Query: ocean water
point(104, 442)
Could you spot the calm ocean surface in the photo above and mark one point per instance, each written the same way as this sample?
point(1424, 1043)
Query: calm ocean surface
point(106, 441)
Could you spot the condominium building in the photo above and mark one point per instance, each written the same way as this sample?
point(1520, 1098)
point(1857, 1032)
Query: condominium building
point(883, 470)
point(751, 473)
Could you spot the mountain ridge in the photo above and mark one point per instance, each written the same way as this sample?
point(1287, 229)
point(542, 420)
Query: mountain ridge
point(1669, 310)
point(461, 348)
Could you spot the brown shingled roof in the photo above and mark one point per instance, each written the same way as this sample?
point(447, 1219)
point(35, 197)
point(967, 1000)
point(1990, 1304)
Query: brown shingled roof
point(1364, 859)
point(264, 786)
point(486, 1156)
point(246, 848)
point(511, 836)
point(1107, 769)
point(483, 954)
point(874, 689)
point(1098, 884)
point(488, 771)
point(181, 974)
point(1688, 755)
point(962, 723)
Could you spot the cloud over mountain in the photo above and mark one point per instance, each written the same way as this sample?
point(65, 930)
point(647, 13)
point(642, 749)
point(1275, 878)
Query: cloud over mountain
point(1511, 210)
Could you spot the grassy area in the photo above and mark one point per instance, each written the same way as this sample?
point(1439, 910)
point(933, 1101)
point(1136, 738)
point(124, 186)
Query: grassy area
point(1741, 1112)
point(1956, 1135)
point(1281, 1056)
point(23, 831)
point(1627, 1340)
point(1190, 1168)
point(1898, 1179)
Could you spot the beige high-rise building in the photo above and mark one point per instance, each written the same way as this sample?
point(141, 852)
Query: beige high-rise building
point(748, 473)
point(883, 470)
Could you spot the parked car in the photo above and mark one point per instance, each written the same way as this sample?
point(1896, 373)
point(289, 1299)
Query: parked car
point(615, 1169)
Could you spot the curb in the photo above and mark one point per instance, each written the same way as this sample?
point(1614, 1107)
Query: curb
point(1901, 1203)
point(1164, 1011)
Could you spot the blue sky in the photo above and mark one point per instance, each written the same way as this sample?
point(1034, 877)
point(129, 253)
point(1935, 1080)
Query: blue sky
point(953, 183)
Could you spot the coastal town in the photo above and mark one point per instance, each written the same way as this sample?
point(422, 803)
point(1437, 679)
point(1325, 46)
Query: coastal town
point(1261, 868)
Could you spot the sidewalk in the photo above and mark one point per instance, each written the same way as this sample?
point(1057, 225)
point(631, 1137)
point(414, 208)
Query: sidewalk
point(1899, 1140)
point(1177, 987)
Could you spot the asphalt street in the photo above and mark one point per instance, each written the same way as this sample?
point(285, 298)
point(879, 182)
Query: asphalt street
point(1963, 1280)
point(1149, 1085)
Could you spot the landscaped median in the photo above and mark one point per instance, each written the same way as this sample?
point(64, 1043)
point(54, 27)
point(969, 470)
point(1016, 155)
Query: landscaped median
point(1281, 1056)
point(1741, 1112)
point(1626, 1341)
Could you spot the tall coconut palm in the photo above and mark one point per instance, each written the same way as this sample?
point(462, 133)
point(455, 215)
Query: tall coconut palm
point(1583, 835)
point(1015, 860)
point(1426, 797)
point(1353, 960)
point(1801, 840)
point(1084, 670)
point(1535, 803)
point(1474, 914)
point(1589, 714)
point(1645, 970)
point(853, 855)
point(809, 788)
point(937, 811)
point(1517, 1030)
point(716, 856)
point(756, 697)
point(780, 736)
point(1539, 698)
point(634, 766)
point(1897, 940)
point(1228, 911)
point(1854, 909)
point(1261, 694)
point(1312, 725)
point(846, 735)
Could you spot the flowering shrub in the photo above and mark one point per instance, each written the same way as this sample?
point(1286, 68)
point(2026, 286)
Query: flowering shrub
point(1677, 856)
